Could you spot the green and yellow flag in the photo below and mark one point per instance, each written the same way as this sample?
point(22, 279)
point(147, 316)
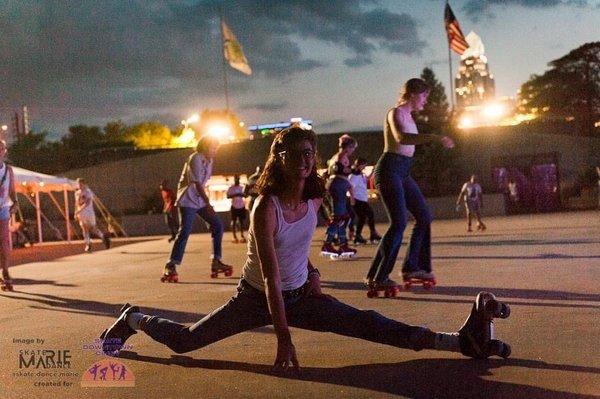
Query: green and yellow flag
point(232, 51)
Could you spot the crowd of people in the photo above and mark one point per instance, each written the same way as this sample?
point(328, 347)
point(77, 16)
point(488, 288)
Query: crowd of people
point(279, 284)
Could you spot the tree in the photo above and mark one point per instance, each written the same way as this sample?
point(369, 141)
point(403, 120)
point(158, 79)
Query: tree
point(83, 137)
point(569, 90)
point(149, 135)
point(29, 152)
point(435, 112)
point(115, 133)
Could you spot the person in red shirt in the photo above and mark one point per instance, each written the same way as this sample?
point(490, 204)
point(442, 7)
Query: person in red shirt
point(169, 208)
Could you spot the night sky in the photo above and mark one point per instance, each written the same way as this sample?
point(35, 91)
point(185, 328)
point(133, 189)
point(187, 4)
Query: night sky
point(338, 62)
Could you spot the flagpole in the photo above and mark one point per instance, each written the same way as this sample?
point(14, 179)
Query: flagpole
point(451, 77)
point(224, 62)
point(451, 80)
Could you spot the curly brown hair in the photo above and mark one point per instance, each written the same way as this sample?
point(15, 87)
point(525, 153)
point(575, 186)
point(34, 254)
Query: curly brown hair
point(272, 180)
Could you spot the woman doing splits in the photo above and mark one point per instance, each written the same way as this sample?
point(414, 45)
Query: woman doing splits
point(280, 286)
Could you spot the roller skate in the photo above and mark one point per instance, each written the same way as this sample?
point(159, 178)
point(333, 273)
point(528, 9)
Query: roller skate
point(243, 240)
point(426, 279)
point(235, 241)
point(481, 227)
point(6, 284)
point(374, 238)
point(170, 274)
point(218, 267)
point(346, 252)
point(477, 338)
point(88, 248)
point(106, 241)
point(329, 251)
point(359, 240)
point(469, 229)
point(385, 289)
point(114, 337)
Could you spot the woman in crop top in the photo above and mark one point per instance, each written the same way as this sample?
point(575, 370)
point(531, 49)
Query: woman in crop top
point(279, 284)
point(401, 194)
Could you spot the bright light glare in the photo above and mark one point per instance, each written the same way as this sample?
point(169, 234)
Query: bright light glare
point(465, 123)
point(4, 128)
point(186, 139)
point(493, 110)
point(218, 130)
point(193, 119)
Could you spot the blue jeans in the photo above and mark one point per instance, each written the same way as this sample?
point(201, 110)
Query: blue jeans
point(337, 188)
point(248, 310)
point(187, 216)
point(400, 194)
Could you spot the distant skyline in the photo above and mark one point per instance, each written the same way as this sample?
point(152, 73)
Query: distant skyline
point(340, 63)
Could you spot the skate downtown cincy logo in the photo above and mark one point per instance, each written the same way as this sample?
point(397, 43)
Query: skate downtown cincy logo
point(107, 372)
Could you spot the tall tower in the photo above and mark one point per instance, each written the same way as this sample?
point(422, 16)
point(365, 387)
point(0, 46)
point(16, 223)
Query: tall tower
point(474, 83)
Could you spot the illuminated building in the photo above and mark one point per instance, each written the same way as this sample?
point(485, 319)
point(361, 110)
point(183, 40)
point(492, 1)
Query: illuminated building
point(474, 83)
point(259, 131)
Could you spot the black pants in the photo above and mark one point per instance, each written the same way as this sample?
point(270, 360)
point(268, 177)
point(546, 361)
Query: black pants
point(364, 213)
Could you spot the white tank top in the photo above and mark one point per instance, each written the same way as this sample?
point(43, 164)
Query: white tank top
point(292, 246)
point(5, 200)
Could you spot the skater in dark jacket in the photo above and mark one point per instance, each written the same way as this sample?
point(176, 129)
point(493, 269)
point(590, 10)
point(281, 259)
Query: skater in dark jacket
point(280, 286)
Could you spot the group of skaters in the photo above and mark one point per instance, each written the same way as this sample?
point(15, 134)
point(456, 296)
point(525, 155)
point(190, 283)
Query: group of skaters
point(279, 285)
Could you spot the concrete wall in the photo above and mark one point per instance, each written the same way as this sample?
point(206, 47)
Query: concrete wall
point(442, 208)
point(124, 185)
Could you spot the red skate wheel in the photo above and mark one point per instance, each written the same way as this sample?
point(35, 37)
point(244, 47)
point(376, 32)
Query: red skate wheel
point(214, 275)
point(371, 294)
point(228, 273)
point(163, 279)
point(407, 286)
point(428, 286)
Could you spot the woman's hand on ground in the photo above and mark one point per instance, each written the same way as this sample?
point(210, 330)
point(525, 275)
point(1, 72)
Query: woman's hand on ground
point(286, 357)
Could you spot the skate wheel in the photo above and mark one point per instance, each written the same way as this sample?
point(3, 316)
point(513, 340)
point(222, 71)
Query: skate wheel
point(163, 279)
point(175, 279)
point(214, 275)
point(228, 273)
point(407, 286)
point(371, 294)
point(333, 257)
point(428, 286)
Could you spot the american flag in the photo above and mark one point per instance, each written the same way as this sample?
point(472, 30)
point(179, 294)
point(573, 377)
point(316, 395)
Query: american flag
point(456, 39)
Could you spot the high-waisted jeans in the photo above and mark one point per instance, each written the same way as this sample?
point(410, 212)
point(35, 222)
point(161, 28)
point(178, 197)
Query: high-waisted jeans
point(187, 217)
point(248, 310)
point(400, 193)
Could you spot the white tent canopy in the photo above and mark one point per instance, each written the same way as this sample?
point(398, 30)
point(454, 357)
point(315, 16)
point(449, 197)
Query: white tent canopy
point(28, 181)
point(31, 184)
